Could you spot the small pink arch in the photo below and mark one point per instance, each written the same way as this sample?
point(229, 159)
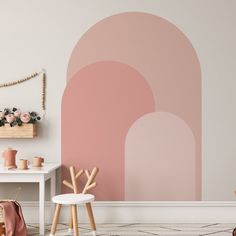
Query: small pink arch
point(160, 159)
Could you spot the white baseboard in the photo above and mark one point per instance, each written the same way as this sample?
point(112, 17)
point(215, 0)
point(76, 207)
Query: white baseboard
point(144, 212)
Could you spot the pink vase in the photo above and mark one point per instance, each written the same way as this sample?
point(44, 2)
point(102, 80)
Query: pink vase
point(9, 156)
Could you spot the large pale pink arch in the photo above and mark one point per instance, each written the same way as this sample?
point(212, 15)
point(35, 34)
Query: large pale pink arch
point(161, 53)
point(99, 105)
point(160, 159)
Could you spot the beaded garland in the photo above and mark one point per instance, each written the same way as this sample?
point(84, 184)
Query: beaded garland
point(34, 75)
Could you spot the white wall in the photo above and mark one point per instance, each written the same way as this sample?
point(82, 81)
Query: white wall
point(36, 34)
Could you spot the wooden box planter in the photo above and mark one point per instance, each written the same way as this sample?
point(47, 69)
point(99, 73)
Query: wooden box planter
point(24, 131)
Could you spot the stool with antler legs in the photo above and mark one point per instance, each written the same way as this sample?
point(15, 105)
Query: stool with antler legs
point(74, 199)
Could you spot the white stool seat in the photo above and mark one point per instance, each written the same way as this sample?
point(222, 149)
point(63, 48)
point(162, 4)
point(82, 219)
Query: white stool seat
point(73, 199)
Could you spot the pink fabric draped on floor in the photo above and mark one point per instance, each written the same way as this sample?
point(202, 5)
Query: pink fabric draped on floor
point(13, 218)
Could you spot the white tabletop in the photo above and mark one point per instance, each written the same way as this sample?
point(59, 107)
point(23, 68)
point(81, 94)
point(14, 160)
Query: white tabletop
point(46, 169)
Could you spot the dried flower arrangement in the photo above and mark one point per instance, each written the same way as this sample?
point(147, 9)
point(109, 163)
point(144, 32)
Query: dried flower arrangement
point(15, 117)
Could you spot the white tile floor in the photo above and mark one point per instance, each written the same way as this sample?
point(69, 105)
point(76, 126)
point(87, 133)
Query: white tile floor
point(145, 229)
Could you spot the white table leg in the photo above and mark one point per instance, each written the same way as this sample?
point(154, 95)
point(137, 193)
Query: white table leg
point(52, 192)
point(41, 206)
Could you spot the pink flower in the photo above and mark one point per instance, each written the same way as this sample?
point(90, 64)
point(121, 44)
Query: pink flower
point(25, 117)
point(2, 114)
point(17, 113)
point(10, 118)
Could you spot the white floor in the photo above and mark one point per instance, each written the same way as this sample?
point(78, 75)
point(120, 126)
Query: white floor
point(145, 229)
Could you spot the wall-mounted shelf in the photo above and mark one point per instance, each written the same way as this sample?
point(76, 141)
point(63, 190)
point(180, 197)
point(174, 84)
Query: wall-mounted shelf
point(24, 131)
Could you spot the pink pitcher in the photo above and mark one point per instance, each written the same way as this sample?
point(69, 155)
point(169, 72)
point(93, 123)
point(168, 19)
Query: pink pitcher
point(9, 156)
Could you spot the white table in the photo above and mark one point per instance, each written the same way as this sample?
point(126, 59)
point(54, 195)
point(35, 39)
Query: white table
point(34, 175)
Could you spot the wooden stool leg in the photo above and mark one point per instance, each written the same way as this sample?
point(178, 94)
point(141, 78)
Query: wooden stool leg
point(75, 220)
point(70, 221)
point(55, 219)
point(91, 218)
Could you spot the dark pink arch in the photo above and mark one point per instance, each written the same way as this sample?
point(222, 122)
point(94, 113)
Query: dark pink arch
point(99, 105)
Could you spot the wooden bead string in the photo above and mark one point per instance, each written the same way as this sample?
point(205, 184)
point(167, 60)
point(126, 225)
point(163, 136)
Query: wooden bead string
point(19, 81)
point(44, 91)
point(43, 97)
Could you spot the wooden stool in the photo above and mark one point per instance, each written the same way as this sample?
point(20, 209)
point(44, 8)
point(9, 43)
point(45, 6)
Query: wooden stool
point(74, 199)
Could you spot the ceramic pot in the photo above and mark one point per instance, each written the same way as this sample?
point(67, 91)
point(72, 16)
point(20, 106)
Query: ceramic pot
point(9, 156)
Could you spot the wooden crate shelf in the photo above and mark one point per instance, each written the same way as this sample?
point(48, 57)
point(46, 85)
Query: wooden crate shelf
point(24, 131)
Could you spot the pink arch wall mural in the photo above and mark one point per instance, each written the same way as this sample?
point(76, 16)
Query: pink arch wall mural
point(150, 48)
